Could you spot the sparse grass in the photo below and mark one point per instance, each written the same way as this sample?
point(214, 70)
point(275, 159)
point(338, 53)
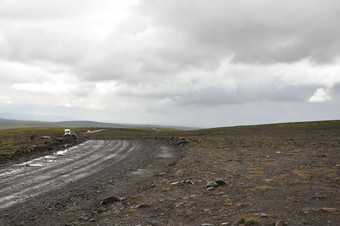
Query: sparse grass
point(301, 173)
point(188, 213)
point(262, 188)
point(253, 221)
point(249, 221)
point(295, 182)
point(242, 220)
point(272, 216)
point(283, 176)
point(165, 189)
point(15, 142)
point(256, 172)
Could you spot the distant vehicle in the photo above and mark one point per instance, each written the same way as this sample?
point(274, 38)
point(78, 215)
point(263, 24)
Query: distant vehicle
point(67, 133)
point(89, 131)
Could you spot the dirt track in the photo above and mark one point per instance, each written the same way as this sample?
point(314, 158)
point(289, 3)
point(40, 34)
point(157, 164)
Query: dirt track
point(50, 182)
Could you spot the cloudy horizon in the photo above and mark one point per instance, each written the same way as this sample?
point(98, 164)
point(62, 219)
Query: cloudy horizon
point(198, 63)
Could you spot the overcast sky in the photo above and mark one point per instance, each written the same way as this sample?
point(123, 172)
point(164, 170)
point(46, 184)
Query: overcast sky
point(203, 63)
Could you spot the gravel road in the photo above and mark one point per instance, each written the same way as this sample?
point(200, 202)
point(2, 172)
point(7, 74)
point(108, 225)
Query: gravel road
point(39, 185)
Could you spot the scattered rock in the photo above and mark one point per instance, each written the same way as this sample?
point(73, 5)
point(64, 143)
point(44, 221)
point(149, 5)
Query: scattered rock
point(211, 184)
point(308, 210)
point(183, 182)
point(33, 137)
point(100, 210)
point(33, 218)
point(82, 219)
point(142, 205)
point(318, 196)
point(45, 137)
point(173, 163)
point(221, 181)
point(207, 224)
point(179, 204)
point(241, 205)
point(210, 188)
point(92, 220)
point(187, 182)
point(110, 200)
point(263, 215)
point(59, 140)
point(161, 174)
point(330, 210)
point(281, 223)
point(182, 141)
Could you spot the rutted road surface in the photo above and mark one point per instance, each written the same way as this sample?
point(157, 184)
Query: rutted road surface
point(29, 188)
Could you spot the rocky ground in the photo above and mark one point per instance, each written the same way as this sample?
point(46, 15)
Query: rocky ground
point(266, 175)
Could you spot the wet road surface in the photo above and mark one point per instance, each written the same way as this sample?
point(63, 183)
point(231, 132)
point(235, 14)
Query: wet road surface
point(21, 183)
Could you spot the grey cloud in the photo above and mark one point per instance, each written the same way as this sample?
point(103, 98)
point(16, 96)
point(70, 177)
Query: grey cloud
point(217, 96)
point(201, 34)
point(213, 95)
point(255, 31)
point(174, 62)
point(38, 10)
point(34, 43)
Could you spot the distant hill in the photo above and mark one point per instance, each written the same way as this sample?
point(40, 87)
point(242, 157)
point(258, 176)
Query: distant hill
point(10, 124)
point(10, 120)
point(113, 125)
point(29, 117)
point(87, 124)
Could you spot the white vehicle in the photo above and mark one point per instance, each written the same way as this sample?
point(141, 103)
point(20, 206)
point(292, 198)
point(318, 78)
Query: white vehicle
point(67, 132)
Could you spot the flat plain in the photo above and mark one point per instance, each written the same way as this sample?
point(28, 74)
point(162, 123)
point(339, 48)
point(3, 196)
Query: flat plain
point(267, 175)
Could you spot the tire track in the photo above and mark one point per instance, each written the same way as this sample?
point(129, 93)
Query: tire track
point(17, 188)
point(87, 150)
point(32, 172)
